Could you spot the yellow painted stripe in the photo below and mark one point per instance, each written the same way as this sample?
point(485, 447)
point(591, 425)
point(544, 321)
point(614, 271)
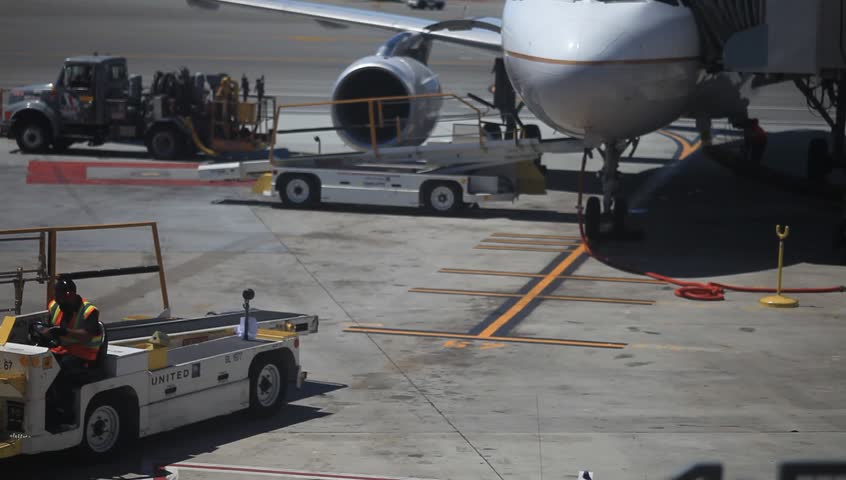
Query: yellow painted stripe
point(541, 275)
point(533, 293)
point(632, 61)
point(521, 249)
point(475, 293)
point(460, 336)
point(687, 148)
point(527, 235)
point(552, 243)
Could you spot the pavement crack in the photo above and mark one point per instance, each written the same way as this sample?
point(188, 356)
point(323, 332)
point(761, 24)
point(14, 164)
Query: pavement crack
point(382, 350)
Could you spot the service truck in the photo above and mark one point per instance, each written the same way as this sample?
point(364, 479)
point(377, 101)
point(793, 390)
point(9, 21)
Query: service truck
point(150, 376)
point(95, 100)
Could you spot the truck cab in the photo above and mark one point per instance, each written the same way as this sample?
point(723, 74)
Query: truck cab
point(88, 86)
point(89, 100)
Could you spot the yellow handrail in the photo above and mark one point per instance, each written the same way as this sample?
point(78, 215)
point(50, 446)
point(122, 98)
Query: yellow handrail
point(372, 104)
point(51, 274)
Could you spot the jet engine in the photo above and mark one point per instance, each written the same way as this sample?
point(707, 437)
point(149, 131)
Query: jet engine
point(397, 70)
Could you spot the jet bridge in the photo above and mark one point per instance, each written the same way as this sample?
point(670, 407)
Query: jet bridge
point(719, 20)
point(786, 40)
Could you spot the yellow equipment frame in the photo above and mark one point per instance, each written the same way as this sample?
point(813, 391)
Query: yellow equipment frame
point(47, 238)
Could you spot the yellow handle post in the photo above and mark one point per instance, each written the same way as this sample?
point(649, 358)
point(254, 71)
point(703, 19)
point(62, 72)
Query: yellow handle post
point(782, 235)
point(778, 300)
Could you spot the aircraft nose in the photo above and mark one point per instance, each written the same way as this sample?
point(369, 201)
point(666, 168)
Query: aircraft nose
point(601, 67)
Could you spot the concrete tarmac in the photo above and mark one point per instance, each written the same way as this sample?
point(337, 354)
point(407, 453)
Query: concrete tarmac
point(437, 358)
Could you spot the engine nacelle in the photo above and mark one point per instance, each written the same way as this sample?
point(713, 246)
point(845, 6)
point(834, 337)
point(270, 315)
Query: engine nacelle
point(386, 76)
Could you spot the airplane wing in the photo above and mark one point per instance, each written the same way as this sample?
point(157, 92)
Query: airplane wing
point(483, 33)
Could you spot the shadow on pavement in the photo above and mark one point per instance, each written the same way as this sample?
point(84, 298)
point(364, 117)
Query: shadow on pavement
point(713, 217)
point(469, 213)
point(139, 460)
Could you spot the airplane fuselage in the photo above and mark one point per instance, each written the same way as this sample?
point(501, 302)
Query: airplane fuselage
point(603, 71)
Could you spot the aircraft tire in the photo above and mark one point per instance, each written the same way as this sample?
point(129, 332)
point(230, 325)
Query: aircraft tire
point(621, 212)
point(593, 216)
point(819, 161)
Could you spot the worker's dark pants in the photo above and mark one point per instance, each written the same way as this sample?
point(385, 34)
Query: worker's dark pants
point(59, 400)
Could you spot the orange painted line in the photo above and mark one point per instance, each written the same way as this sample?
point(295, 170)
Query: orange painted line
point(626, 301)
point(527, 235)
point(475, 293)
point(471, 293)
point(541, 275)
point(462, 336)
point(512, 241)
point(632, 61)
point(533, 293)
point(521, 249)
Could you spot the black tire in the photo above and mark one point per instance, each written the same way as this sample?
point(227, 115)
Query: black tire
point(439, 5)
point(34, 136)
point(165, 143)
point(531, 131)
point(819, 160)
point(443, 198)
point(593, 217)
point(299, 191)
point(268, 385)
point(492, 131)
point(621, 212)
point(106, 427)
point(61, 145)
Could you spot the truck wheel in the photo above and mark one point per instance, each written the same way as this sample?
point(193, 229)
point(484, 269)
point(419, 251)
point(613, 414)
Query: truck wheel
point(442, 197)
point(165, 143)
point(299, 191)
point(267, 385)
point(104, 429)
point(34, 136)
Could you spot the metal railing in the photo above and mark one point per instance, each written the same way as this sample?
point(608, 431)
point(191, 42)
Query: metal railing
point(376, 116)
point(46, 271)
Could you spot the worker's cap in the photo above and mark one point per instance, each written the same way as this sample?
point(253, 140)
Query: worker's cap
point(64, 289)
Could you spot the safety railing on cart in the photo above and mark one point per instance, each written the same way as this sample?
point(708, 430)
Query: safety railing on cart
point(379, 119)
point(46, 270)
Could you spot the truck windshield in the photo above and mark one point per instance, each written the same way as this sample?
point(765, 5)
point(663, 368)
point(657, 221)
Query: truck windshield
point(78, 76)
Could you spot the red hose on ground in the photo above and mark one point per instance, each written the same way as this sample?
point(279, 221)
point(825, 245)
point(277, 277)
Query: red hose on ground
point(690, 290)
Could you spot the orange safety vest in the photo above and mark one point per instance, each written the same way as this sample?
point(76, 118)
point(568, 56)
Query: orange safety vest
point(85, 350)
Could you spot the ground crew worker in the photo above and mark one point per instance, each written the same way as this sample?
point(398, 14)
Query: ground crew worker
point(74, 324)
point(755, 140)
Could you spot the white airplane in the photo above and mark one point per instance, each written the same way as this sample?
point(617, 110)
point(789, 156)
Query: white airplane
point(606, 71)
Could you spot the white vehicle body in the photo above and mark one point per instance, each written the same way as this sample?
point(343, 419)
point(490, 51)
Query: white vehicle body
point(151, 388)
point(472, 173)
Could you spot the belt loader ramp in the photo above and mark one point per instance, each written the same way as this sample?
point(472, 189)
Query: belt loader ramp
point(476, 164)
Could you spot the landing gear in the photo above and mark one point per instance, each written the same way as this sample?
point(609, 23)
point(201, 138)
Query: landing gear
point(822, 159)
point(611, 175)
point(613, 211)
